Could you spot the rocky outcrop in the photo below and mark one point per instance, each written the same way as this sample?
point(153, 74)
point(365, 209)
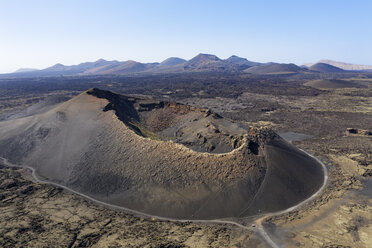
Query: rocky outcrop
point(356, 131)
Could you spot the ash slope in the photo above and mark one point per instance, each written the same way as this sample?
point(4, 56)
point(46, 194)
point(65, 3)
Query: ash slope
point(162, 158)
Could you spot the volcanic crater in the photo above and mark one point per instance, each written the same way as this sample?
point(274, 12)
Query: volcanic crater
point(161, 158)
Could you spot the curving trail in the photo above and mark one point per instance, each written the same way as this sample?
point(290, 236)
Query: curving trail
point(257, 226)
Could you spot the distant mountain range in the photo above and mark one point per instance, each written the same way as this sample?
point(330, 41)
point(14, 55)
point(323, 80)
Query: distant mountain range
point(25, 70)
point(200, 63)
point(344, 66)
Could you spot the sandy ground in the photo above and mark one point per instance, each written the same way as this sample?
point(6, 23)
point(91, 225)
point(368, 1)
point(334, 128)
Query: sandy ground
point(340, 217)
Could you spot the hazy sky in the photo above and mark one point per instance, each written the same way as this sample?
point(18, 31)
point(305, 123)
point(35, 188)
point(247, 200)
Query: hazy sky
point(37, 34)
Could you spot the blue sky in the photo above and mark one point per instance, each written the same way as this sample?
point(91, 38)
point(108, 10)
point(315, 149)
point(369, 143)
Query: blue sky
point(40, 33)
